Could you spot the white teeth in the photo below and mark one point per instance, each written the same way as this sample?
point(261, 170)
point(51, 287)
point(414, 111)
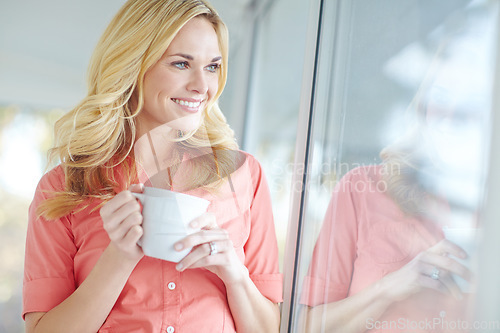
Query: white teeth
point(186, 103)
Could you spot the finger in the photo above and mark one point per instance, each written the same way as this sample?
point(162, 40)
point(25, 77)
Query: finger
point(447, 247)
point(426, 281)
point(131, 221)
point(449, 282)
point(133, 235)
point(442, 281)
point(112, 222)
point(136, 188)
point(427, 277)
point(447, 264)
point(204, 221)
point(114, 204)
point(202, 256)
point(203, 236)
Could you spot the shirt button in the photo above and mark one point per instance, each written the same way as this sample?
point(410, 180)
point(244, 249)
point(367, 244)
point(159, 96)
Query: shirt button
point(170, 329)
point(171, 286)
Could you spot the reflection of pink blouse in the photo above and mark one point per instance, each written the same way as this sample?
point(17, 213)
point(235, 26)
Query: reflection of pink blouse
point(364, 237)
point(61, 253)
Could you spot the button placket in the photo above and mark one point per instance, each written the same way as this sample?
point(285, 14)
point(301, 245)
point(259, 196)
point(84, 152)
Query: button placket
point(172, 299)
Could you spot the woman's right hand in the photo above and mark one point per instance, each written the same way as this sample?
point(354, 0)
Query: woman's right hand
point(432, 269)
point(122, 220)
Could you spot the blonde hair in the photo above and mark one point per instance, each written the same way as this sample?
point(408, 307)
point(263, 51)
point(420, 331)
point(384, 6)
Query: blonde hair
point(98, 134)
point(402, 165)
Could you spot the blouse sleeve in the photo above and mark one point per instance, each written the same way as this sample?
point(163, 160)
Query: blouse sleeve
point(331, 267)
point(261, 249)
point(50, 249)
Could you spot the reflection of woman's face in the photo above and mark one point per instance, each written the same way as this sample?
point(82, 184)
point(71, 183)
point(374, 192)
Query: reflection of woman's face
point(185, 79)
point(451, 120)
point(454, 133)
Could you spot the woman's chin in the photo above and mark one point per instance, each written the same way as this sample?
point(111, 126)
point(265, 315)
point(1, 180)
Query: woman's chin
point(186, 125)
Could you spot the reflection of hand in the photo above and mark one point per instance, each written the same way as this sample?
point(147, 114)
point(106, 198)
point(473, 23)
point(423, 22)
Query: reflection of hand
point(122, 219)
point(212, 249)
point(431, 269)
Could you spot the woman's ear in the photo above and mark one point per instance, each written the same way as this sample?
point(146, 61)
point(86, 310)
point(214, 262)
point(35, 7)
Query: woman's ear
point(133, 102)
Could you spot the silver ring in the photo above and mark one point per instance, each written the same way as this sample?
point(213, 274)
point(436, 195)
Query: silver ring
point(213, 248)
point(435, 274)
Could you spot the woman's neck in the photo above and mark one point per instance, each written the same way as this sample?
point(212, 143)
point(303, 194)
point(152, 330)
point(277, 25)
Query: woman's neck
point(155, 150)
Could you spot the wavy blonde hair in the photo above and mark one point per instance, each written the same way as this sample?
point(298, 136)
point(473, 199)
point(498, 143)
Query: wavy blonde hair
point(99, 133)
point(402, 165)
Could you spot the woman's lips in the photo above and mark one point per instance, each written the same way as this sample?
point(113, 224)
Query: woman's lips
point(188, 105)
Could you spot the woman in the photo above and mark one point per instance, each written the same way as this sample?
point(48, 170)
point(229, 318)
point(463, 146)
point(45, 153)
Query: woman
point(377, 268)
point(381, 262)
point(155, 77)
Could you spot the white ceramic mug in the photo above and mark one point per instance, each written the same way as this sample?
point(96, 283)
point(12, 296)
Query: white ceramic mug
point(166, 218)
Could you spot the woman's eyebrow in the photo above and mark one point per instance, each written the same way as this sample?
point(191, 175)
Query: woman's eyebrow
point(189, 57)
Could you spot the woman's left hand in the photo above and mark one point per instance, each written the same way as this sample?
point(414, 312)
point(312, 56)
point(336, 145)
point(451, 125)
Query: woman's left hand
point(212, 249)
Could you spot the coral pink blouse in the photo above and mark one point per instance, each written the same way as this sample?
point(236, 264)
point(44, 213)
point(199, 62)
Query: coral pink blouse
point(157, 298)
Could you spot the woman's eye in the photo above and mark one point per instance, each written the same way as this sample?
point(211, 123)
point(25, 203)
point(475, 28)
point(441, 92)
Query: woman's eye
point(181, 65)
point(213, 68)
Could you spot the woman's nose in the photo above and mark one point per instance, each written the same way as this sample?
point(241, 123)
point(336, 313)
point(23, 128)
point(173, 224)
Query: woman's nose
point(198, 82)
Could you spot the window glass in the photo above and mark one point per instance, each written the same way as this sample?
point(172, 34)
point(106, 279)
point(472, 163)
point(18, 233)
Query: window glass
point(273, 100)
point(397, 166)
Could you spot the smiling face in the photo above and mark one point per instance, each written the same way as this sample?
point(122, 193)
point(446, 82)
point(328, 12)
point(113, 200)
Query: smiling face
point(180, 85)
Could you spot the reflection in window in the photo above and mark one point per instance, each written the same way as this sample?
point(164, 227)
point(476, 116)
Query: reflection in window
point(394, 249)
